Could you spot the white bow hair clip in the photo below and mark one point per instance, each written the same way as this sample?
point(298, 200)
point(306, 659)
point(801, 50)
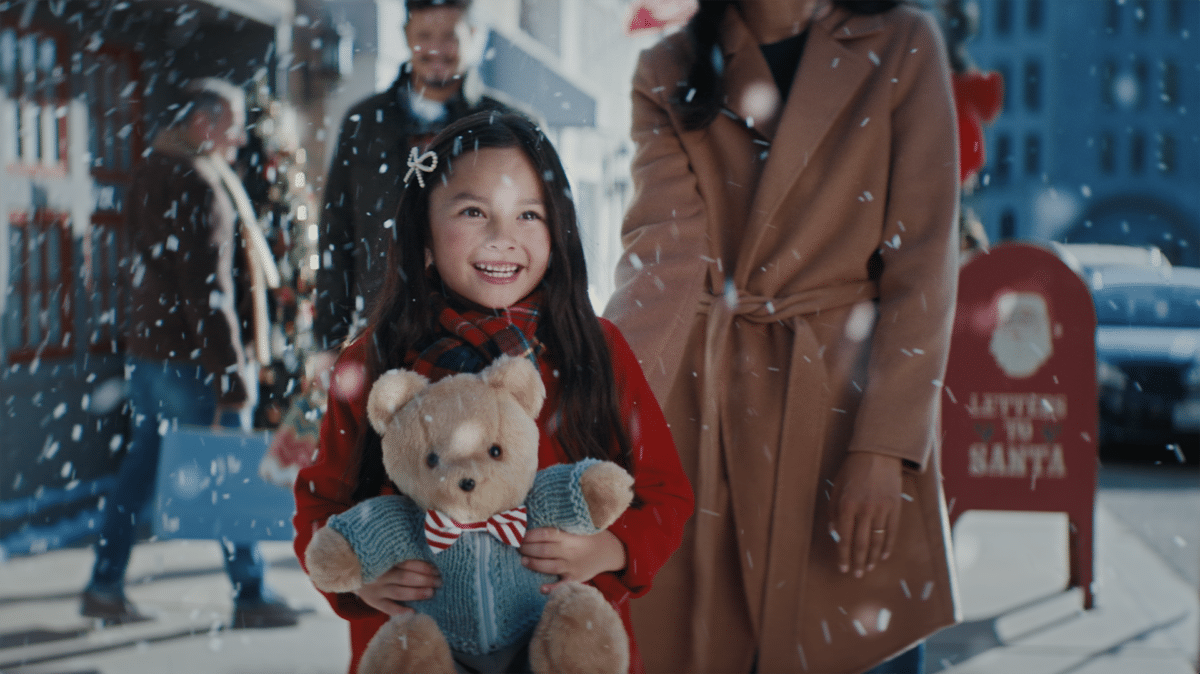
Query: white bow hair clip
point(420, 163)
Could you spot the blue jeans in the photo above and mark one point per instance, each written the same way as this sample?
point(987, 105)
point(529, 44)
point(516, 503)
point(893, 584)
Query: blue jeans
point(911, 661)
point(172, 392)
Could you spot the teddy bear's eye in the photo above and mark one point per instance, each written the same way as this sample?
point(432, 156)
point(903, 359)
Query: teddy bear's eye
point(431, 460)
point(495, 451)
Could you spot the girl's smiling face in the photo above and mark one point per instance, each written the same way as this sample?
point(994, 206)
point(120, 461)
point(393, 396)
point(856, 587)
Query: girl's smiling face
point(488, 234)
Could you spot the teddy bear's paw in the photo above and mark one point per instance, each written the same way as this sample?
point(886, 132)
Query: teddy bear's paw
point(608, 490)
point(331, 562)
point(410, 643)
point(579, 633)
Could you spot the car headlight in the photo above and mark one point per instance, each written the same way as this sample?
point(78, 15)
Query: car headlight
point(1110, 376)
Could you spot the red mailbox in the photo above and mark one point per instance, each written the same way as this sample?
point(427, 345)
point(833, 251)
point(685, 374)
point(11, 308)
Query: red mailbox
point(1019, 403)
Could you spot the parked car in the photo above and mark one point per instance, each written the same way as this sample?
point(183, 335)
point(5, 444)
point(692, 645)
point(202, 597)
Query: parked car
point(1147, 353)
point(1082, 257)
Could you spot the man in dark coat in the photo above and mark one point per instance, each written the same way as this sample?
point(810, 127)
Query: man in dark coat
point(197, 331)
point(366, 176)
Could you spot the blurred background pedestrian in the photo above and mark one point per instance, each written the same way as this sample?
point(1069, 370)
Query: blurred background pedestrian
point(198, 329)
point(435, 87)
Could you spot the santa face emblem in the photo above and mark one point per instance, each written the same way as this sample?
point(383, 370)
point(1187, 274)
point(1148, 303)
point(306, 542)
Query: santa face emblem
point(1021, 342)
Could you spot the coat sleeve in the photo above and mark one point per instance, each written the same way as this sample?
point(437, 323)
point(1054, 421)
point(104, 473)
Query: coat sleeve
point(918, 283)
point(652, 528)
point(326, 487)
point(662, 270)
point(335, 278)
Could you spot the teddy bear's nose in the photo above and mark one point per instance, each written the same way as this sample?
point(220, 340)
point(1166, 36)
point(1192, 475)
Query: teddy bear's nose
point(466, 484)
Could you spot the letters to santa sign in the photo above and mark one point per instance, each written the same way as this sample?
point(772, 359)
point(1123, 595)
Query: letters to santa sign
point(1019, 403)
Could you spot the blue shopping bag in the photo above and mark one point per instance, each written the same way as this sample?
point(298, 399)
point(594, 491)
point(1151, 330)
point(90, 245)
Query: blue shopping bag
point(208, 487)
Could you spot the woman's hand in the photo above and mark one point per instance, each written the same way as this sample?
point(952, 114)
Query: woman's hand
point(865, 510)
point(412, 580)
point(570, 557)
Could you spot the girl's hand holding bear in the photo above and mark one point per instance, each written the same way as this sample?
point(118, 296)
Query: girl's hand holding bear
point(412, 580)
point(546, 550)
point(571, 557)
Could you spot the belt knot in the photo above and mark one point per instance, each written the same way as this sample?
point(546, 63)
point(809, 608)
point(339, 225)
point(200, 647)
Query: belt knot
point(761, 309)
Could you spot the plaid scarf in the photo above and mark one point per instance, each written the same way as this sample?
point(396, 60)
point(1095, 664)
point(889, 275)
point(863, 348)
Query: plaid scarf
point(471, 339)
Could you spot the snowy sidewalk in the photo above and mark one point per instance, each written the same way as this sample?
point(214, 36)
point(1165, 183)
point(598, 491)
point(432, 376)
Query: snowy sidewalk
point(1018, 619)
point(183, 584)
point(1013, 568)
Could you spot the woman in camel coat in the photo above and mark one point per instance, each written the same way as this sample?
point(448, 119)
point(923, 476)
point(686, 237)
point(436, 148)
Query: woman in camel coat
point(788, 284)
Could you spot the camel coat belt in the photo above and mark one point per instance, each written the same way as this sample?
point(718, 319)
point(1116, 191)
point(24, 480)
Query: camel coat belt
point(789, 504)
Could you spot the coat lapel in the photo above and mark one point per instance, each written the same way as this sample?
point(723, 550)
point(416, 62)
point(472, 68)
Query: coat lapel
point(750, 91)
point(829, 76)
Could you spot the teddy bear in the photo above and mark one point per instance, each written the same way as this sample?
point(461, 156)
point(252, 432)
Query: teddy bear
point(463, 452)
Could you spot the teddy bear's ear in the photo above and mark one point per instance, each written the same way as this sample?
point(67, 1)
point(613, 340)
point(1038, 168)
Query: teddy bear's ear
point(520, 378)
point(391, 392)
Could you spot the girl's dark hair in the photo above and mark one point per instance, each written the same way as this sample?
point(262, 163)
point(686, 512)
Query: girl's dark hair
point(699, 98)
point(588, 419)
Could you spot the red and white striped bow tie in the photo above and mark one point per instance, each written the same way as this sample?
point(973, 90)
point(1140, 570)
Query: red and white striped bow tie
point(441, 530)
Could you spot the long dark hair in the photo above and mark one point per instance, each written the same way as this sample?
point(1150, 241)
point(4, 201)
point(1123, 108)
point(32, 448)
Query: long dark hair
point(699, 98)
point(589, 421)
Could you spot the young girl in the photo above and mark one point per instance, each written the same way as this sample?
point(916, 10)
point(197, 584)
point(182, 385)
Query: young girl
point(489, 261)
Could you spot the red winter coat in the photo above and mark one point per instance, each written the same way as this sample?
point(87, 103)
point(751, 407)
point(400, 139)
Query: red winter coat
point(650, 533)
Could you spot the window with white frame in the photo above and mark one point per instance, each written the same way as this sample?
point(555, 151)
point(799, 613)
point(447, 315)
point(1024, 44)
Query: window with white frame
point(35, 88)
point(34, 93)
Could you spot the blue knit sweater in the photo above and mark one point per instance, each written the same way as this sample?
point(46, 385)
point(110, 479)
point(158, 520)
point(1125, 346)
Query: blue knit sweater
point(487, 601)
